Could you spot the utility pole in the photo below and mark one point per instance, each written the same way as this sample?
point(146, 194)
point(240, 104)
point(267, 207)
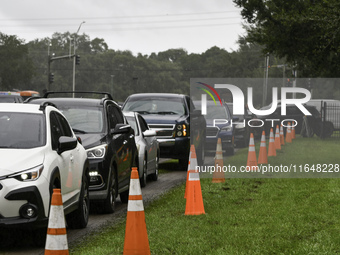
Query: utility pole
point(74, 58)
point(265, 82)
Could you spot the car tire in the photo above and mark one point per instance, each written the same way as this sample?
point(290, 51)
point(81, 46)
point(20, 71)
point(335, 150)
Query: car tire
point(80, 217)
point(201, 154)
point(124, 196)
point(143, 174)
point(183, 163)
point(110, 201)
point(154, 176)
point(231, 151)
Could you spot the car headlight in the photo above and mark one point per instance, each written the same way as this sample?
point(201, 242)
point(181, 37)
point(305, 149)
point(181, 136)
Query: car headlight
point(227, 128)
point(28, 175)
point(239, 126)
point(97, 152)
point(181, 130)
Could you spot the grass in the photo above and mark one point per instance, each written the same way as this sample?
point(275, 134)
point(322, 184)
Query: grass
point(245, 215)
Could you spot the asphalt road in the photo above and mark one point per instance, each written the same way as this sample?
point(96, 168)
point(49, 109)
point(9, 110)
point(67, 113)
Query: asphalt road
point(23, 243)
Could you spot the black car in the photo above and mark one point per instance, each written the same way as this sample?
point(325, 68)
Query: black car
point(242, 129)
point(292, 113)
point(219, 125)
point(10, 97)
point(108, 140)
point(175, 120)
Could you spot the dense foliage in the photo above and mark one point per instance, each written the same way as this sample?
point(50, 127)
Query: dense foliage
point(304, 32)
point(122, 73)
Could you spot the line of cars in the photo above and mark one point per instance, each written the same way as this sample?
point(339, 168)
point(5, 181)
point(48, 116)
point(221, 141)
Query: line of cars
point(87, 146)
point(84, 146)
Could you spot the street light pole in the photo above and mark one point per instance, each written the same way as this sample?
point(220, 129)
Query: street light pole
point(74, 58)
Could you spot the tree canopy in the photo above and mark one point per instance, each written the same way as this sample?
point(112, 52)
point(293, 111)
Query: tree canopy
point(304, 32)
point(16, 67)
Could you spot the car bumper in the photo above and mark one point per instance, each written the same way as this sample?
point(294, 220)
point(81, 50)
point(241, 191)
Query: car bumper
point(176, 148)
point(98, 177)
point(13, 203)
point(227, 142)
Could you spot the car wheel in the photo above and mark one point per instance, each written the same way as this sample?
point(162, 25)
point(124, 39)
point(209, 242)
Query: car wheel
point(143, 175)
point(201, 155)
point(231, 151)
point(154, 176)
point(124, 196)
point(80, 217)
point(183, 164)
point(110, 201)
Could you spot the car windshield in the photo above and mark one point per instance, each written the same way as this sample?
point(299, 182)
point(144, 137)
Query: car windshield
point(133, 124)
point(160, 105)
point(7, 99)
point(22, 130)
point(84, 119)
point(216, 112)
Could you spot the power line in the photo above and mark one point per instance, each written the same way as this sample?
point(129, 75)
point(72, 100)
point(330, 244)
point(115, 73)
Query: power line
point(120, 17)
point(131, 23)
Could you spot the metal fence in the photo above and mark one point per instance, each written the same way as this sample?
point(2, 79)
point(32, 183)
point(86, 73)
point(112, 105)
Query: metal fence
point(330, 115)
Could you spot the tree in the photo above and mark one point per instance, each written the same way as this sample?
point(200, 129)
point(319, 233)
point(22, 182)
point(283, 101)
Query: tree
point(305, 32)
point(16, 69)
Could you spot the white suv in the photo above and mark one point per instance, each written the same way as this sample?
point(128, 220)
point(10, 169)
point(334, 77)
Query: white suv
point(39, 152)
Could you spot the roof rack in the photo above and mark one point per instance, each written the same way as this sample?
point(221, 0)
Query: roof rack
point(44, 104)
point(107, 95)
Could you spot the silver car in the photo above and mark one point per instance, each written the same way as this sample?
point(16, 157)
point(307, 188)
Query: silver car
point(147, 145)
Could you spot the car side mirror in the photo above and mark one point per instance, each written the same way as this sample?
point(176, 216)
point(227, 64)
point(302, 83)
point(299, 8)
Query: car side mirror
point(148, 133)
point(121, 129)
point(196, 113)
point(66, 143)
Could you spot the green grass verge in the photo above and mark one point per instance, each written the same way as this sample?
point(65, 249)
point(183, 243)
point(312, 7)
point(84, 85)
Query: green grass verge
point(245, 216)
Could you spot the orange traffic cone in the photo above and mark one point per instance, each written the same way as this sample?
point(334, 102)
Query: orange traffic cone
point(288, 134)
point(282, 137)
point(218, 174)
point(186, 184)
point(191, 165)
point(263, 159)
point(251, 161)
point(194, 204)
point(136, 236)
point(56, 239)
point(271, 147)
point(277, 140)
point(293, 132)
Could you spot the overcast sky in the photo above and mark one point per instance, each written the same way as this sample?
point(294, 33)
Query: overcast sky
point(139, 26)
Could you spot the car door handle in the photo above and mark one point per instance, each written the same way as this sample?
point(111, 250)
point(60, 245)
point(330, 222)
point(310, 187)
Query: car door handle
point(131, 136)
point(125, 142)
point(72, 158)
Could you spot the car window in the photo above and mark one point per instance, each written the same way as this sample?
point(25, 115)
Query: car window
point(216, 112)
point(22, 130)
point(66, 130)
point(86, 118)
point(115, 116)
point(133, 124)
point(143, 125)
point(156, 105)
point(59, 127)
point(55, 131)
